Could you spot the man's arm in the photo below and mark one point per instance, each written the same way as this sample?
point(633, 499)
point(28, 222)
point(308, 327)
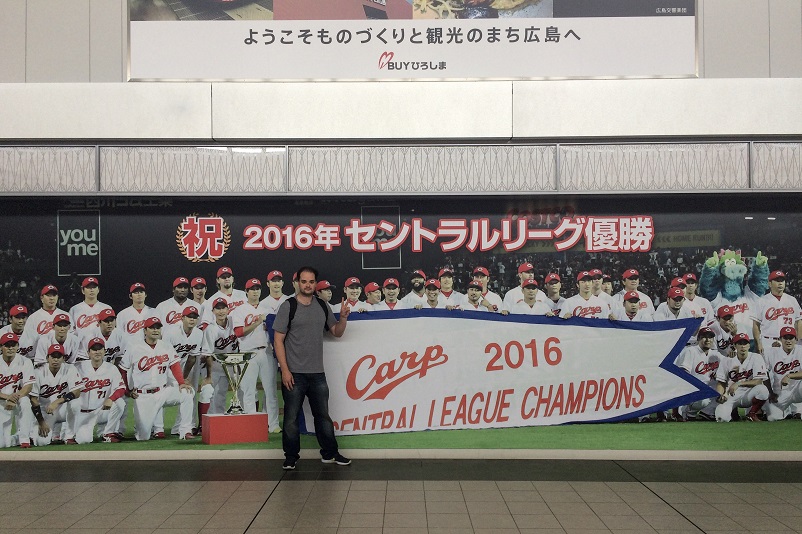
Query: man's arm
point(338, 329)
point(756, 336)
point(281, 356)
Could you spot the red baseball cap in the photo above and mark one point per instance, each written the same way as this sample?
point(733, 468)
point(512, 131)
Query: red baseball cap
point(551, 277)
point(56, 348)
point(274, 274)
point(528, 283)
point(9, 337)
point(253, 282)
point(690, 276)
point(90, 280)
point(180, 281)
point(150, 322)
point(353, 281)
point(323, 284)
point(476, 285)
point(675, 292)
point(190, 310)
point(445, 271)
point(96, 341)
point(630, 273)
point(678, 281)
point(481, 270)
point(417, 274)
point(373, 286)
point(138, 286)
point(596, 273)
point(50, 288)
point(432, 282)
point(632, 295)
point(582, 275)
point(773, 275)
point(218, 301)
point(724, 311)
point(705, 332)
point(787, 331)
point(525, 267)
point(61, 318)
point(224, 270)
point(740, 337)
point(19, 309)
point(198, 281)
point(105, 314)
point(391, 282)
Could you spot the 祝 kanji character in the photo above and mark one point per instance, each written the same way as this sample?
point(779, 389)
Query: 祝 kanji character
point(203, 236)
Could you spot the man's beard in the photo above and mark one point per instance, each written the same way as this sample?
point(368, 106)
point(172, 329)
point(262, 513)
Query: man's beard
point(417, 286)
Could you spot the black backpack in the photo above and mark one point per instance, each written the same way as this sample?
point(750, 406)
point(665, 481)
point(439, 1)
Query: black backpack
point(294, 306)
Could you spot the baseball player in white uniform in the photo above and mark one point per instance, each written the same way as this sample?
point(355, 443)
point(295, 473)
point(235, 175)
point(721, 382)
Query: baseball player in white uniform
point(170, 310)
point(725, 328)
point(432, 289)
point(102, 399)
point(526, 271)
point(774, 310)
point(60, 335)
point(323, 290)
point(198, 288)
point(701, 306)
point(673, 307)
point(553, 284)
point(740, 382)
point(597, 276)
point(56, 393)
point(482, 275)
point(84, 315)
point(144, 368)
point(390, 289)
point(275, 282)
point(701, 361)
point(531, 305)
point(225, 291)
point(131, 320)
point(373, 294)
point(40, 322)
point(17, 378)
point(249, 326)
point(631, 281)
point(785, 375)
point(473, 298)
point(586, 304)
point(630, 309)
point(452, 299)
point(27, 339)
point(353, 290)
point(417, 296)
point(219, 337)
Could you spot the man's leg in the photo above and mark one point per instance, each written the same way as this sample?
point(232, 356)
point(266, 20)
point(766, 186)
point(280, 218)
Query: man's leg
point(318, 394)
point(293, 400)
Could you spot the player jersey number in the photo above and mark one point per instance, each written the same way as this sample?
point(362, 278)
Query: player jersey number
point(514, 354)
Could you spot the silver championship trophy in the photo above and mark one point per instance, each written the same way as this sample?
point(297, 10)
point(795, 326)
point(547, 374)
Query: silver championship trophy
point(234, 365)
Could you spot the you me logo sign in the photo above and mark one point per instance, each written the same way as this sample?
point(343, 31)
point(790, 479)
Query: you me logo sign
point(78, 242)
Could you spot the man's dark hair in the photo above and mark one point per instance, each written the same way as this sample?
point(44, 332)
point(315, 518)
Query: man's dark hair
point(306, 270)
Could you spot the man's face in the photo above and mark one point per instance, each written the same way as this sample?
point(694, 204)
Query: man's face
point(727, 321)
point(374, 297)
point(742, 349)
point(254, 293)
point(675, 303)
point(482, 279)
point(225, 282)
point(181, 292)
point(417, 283)
point(353, 292)
point(189, 321)
point(707, 342)
point(198, 293)
point(777, 286)
point(138, 298)
point(585, 286)
point(432, 294)
point(596, 284)
point(61, 329)
point(554, 287)
point(530, 293)
point(54, 361)
point(49, 301)
point(526, 275)
point(325, 294)
point(391, 293)
point(306, 283)
point(107, 325)
point(153, 333)
point(10, 350)
point(474, 295)
point(690, 289)
point(789, 342)
point(631, 284)
point(18, 322)
point(631, 306)
point(446, 282)
point(90, 292)
point(220, 314)
point(276, 285)
point(607, 287)
point(96, 355)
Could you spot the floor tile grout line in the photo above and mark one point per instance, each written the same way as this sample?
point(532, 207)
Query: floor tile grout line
point(658, 496)
point(259, 511)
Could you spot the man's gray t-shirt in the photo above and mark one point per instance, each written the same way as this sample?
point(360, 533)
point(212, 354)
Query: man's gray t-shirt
point(303, 344)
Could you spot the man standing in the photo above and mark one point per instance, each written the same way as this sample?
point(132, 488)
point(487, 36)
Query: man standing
point(553, 287)
point(725, 329)
point(40, 322)
point(473, 298)
point(531, 305)
point(452, 299)
point(27, 339)
point(352, 290)
point(323, 290)
point(373, 295)
point(391, 302)
point(17, 378)
point(219, 337)
point(416, 297)
point(84, 315)
point(774, 310)
point(170, 310)
point(198, 288)
point(482, 275)
point(596, 288)
point(673, 307)
point(585, 304)
point(526, 271)
point(432, 296)
point(60, 335)
point(226, 291)
point(299, 349)
point(132, 319)
point(631, 280)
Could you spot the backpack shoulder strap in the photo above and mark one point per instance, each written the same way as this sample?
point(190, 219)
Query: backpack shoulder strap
point(293, 307)
point(325, 310)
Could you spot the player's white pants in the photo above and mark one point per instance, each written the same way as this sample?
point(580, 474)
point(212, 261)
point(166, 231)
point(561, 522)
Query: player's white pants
point(193, 380)
point(776, 411)
point(147, 405)
point(261, 366)
point(64, 414)
point(22, 414)
point(704, 405)
point(742, 399)
point(85, 421)
point(158, 422)
point(220, 384)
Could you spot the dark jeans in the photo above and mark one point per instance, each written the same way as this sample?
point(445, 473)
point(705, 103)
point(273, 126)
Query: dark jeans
point(314, 387)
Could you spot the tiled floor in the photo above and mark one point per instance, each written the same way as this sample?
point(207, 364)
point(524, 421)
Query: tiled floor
point(403, 497)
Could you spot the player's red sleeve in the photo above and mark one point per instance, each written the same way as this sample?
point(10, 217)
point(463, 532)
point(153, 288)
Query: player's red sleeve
point(124, 375)
point(118, 394)
point(177, 372)
point(239, 331)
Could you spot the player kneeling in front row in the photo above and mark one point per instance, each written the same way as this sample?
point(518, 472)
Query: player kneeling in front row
point(55, 395)
point(785, 375)
point(700, 361)
point(102, 397)
point(740, 382)
point(17, 378)
point(144, 371)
